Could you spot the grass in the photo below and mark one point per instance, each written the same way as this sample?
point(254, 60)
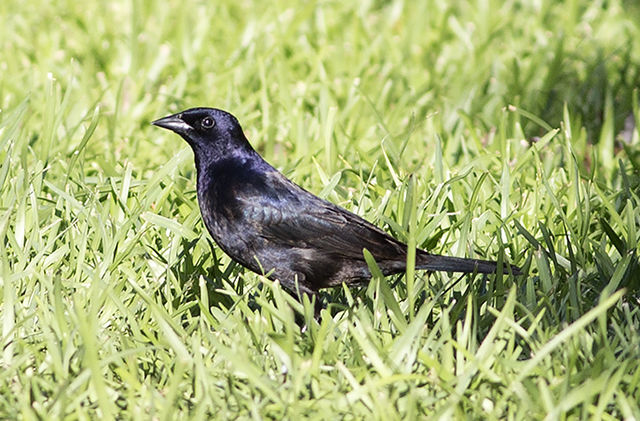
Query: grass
point(488, 129)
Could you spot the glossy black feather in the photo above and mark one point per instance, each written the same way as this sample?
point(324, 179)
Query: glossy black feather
point(274, 227)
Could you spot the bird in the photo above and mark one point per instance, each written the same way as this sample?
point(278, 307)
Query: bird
point(272, 226)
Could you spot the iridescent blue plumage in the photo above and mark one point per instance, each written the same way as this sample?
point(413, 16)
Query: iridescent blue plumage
point(272, 226)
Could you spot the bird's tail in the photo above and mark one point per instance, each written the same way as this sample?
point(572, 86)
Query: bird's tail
point(435, 262)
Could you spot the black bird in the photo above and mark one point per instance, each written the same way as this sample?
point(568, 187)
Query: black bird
point(274, 227)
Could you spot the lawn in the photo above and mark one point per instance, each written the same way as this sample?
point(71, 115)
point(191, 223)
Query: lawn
point(501, 130)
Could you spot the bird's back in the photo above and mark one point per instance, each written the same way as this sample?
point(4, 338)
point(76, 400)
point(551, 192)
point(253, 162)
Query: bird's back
point(290, 233)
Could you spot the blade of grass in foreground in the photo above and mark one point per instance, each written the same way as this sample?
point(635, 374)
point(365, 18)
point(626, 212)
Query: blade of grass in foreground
point(567, 333)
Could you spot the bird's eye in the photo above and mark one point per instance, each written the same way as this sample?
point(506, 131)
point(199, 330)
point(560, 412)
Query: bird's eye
point(207, 123)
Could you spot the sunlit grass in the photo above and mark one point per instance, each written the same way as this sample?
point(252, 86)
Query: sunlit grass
point(489, 129)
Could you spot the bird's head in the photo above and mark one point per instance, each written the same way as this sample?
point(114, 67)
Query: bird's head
point(212, 133)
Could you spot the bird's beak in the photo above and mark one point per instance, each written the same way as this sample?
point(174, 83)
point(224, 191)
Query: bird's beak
point(174, 123)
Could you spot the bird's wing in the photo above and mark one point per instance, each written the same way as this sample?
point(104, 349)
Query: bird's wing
point(302, 220)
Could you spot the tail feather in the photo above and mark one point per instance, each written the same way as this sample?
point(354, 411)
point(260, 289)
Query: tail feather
point(458, 264)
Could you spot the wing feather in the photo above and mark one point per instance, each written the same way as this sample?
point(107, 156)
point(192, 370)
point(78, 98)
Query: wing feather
point(314, 223)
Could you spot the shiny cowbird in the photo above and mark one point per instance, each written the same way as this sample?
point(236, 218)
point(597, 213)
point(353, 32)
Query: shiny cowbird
point(274, 227)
